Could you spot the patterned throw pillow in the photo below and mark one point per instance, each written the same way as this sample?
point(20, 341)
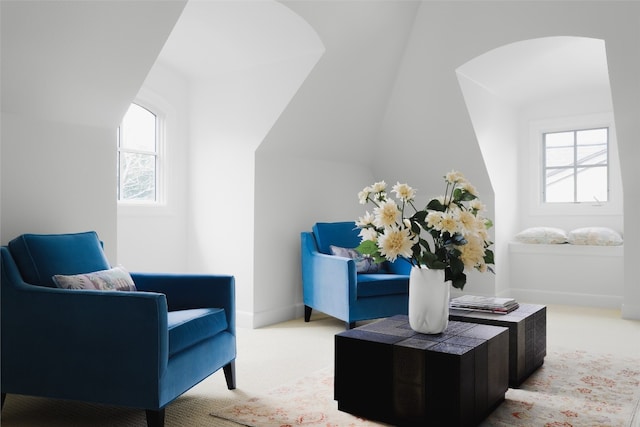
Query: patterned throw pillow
point(114, 279)
point(542, 235)
point(364, 263)
point(597, 236)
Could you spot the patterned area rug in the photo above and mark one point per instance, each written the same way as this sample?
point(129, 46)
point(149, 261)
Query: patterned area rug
point(572, 388)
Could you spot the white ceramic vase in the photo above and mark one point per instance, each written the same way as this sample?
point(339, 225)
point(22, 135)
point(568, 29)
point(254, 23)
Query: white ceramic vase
point(428, 300)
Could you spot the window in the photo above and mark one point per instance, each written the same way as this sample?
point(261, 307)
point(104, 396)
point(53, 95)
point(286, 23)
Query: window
point(576, 166)
point(138, 158)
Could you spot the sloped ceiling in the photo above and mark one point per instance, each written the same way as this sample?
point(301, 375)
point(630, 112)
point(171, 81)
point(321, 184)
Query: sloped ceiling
point(530, 71)
point(79, 62)
point(337, 111)
point(214, 38)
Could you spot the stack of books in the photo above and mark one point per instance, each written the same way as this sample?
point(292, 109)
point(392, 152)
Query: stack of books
point(487, 304)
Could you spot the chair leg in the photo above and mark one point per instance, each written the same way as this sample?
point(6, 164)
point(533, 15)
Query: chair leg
point(350, 325)
point(155, 418)
point(230, 374)
point(307, 313)
point(4, 396)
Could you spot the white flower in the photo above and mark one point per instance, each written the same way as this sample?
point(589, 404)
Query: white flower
point(395, 242)
point(469, 188)
point(477, 205)
point(365, 220)
point(404, 192)
point(433, 219)
point(368, 234)
point(468, 222)
point(364, 195)
point(454, 177)
point(472, 254)
point(386, 214)
point(379, 187)
point(449, 224)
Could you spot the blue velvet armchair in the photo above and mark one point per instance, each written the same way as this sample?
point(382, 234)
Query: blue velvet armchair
point(139, 349)
point(332, 285)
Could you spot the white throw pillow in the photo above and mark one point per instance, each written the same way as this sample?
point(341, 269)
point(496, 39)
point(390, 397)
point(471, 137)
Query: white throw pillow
point(597, 236)
point(542, 235)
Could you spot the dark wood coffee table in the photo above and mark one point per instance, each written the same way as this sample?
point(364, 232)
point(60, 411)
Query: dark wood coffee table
point(385, 371)
point(527, 336)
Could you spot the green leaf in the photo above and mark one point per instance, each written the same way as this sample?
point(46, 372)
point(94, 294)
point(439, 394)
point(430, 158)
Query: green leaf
point(488, 256)
point(462, 195)
point(435, 205)
point(368, 247)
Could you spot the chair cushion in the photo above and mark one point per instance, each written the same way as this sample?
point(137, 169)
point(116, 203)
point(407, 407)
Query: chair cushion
point(189, 327)
point(370, 285)
point(342, 234)
point(41, 256)
point(115, 279)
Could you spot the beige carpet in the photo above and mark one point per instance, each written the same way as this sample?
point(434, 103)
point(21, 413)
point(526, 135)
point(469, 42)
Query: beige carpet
point(573, 388)
point(280, 354)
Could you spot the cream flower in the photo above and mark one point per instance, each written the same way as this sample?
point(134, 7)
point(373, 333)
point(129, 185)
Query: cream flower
point(472, 254)
point(468, 222)
point(434, 218)
point(386, 214)
point(364, 195)
point(477, 205)
point(404, 192)
point(395, 242)
point(449, 224)
point(454, 177)
point(368, 234)
point(365, 220)
point(469, 188)
point(379, 187)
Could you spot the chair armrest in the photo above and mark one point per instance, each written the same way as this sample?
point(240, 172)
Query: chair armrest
point(186, 291)
point(329, 282)
point(57, 336)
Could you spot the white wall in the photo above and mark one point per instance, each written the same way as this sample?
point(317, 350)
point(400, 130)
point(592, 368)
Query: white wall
point(54, 178)
point(230, 116)
point(67, 79)
point(316, 158)
point(427, 117)
point(496, 128)
point(154, 238)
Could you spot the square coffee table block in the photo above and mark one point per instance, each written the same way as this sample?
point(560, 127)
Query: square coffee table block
point(527, 336)
point(387, 372)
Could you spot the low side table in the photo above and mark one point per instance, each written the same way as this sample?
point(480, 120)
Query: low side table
point(387, 372)
point(527, 336)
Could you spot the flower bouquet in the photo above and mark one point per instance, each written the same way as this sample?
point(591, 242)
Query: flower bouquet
point(450, 233)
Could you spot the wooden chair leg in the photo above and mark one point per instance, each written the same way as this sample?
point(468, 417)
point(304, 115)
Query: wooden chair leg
point(155, 418)
point(230, 375)
point(307, 313)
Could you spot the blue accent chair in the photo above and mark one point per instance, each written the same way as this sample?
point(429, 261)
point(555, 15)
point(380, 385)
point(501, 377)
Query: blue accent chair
point(139, 349)
point(331, 284)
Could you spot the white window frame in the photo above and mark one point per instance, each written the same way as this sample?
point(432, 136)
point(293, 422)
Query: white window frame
point(162, 110)
point(537, 129)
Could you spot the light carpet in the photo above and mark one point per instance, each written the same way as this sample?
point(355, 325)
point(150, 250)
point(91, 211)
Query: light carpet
point(572, 388)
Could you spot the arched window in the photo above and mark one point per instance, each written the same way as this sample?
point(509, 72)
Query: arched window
point(138, 155)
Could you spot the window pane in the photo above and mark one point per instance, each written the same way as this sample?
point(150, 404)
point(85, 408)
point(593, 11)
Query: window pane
point(138, 130)
point(137, 176)
point(559, 149)
point(592, 184)
point(592, 146)
point(592, 154)
point(559, 185)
